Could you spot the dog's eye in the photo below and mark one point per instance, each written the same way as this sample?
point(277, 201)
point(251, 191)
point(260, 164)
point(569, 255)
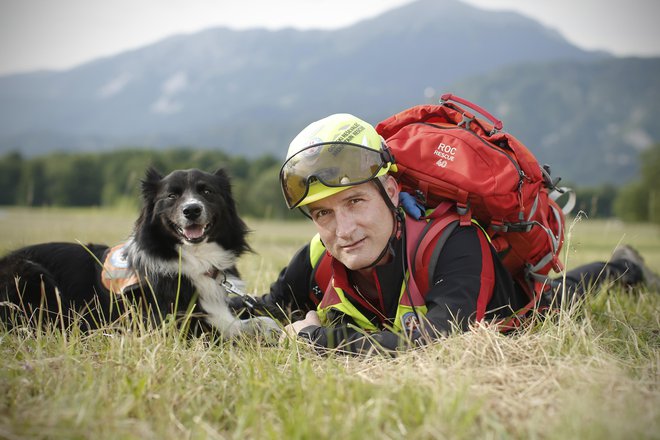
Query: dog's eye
point(207, 192)
point(172, 196)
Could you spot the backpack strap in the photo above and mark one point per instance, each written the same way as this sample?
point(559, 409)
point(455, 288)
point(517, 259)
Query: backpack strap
point(435, 235)
point(422, 234)
point(415, 230)
point(433, 261)
point(533, 271)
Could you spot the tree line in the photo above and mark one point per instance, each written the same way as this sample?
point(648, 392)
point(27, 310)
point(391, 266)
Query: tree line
point(113, 179)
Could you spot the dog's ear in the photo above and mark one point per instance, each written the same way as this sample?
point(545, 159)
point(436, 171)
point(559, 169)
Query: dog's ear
point(151, 179)
point(153, 175)
point(223, 179)
point(220, 172)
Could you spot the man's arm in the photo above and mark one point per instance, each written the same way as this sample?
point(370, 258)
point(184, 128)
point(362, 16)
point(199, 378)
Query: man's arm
point(289, 292)
point(343, 335)
point(349, 340)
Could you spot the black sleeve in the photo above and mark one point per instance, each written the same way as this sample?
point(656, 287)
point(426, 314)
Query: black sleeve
point(463, 269)
point(346, 338)
point(290, 292)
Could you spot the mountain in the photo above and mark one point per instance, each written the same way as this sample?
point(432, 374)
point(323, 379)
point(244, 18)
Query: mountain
point(249, 92)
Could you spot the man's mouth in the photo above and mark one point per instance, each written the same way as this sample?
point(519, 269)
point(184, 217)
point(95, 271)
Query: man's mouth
point(354, 245)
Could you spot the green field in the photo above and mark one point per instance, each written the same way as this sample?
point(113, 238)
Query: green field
point(590, 372)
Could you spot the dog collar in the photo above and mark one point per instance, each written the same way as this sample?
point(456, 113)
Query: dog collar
point(230, 287)
point(214, 272)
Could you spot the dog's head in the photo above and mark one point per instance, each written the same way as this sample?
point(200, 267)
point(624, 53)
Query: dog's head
point(191, 207)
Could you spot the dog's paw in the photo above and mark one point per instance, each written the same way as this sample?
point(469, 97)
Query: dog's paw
point(262, 326)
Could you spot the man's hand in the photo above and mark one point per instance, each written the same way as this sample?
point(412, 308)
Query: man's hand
point(291, 330)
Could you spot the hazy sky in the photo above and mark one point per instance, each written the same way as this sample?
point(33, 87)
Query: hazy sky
point(57, 34)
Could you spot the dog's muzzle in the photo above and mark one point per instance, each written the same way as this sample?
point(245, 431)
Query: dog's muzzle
point(194, 222)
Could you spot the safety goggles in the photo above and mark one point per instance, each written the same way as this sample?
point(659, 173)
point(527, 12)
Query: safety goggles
point(334, 164)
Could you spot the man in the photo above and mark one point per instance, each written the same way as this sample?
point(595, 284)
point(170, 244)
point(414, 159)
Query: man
point(336, 173)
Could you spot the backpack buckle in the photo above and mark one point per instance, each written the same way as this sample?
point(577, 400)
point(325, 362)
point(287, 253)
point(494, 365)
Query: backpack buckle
point(463, 210)
point(466, 121)
point(517, 227)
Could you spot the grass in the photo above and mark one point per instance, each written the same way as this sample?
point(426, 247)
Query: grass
point(590, 372)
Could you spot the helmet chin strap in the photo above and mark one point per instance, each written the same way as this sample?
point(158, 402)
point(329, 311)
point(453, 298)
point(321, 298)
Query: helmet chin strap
point(397, 217)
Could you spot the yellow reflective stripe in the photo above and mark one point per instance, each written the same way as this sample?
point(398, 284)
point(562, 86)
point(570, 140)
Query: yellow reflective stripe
point(347, 308)
point(402, 310)
point(316, 250)
point(480, 227)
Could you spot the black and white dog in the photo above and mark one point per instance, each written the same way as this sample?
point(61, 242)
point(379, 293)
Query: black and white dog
point(180, 259)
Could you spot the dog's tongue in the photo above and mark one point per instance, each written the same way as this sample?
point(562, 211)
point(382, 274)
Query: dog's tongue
point(194, 231)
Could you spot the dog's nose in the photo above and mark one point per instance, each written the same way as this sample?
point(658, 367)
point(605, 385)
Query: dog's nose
point(192, 211)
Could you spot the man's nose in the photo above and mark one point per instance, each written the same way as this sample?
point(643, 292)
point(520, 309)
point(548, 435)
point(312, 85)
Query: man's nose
point(345, 224)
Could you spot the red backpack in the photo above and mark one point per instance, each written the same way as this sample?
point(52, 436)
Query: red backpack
point(444, 153)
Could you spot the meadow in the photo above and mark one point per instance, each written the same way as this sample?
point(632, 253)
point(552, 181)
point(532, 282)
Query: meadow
point(591, 371)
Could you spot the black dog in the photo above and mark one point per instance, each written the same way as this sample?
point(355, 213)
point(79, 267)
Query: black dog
point(180, 259)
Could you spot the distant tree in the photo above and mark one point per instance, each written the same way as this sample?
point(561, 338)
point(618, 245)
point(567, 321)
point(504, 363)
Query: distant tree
point(596, 202)
point(651, 181)
point(122, 171)
point(239, 167)
point(11, 166)
point(76, 181)
point(632, 203)
point(33, 188)
point(264, 165)
point(113, 178)
point(263, 196)
point(640, 200)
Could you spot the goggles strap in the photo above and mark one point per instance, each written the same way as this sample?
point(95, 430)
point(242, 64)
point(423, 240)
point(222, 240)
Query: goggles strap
point(386, 197)
point(395, 226)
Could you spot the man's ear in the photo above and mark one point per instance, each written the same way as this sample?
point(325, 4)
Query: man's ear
point(392, 189)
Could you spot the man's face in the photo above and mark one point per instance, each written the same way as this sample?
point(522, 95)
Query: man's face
point(355, 224)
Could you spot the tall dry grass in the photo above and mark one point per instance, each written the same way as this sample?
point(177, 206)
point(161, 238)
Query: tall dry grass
point(591, 371)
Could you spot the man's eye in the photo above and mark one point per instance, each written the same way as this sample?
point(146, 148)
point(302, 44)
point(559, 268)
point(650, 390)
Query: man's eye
point(319, 213)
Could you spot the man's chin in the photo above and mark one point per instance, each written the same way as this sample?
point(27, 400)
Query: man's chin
point(353, 262)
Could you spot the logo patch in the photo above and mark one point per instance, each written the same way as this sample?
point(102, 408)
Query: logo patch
point(118, 258)
point(117, 275)
point(446, 153)
point(409, 322)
